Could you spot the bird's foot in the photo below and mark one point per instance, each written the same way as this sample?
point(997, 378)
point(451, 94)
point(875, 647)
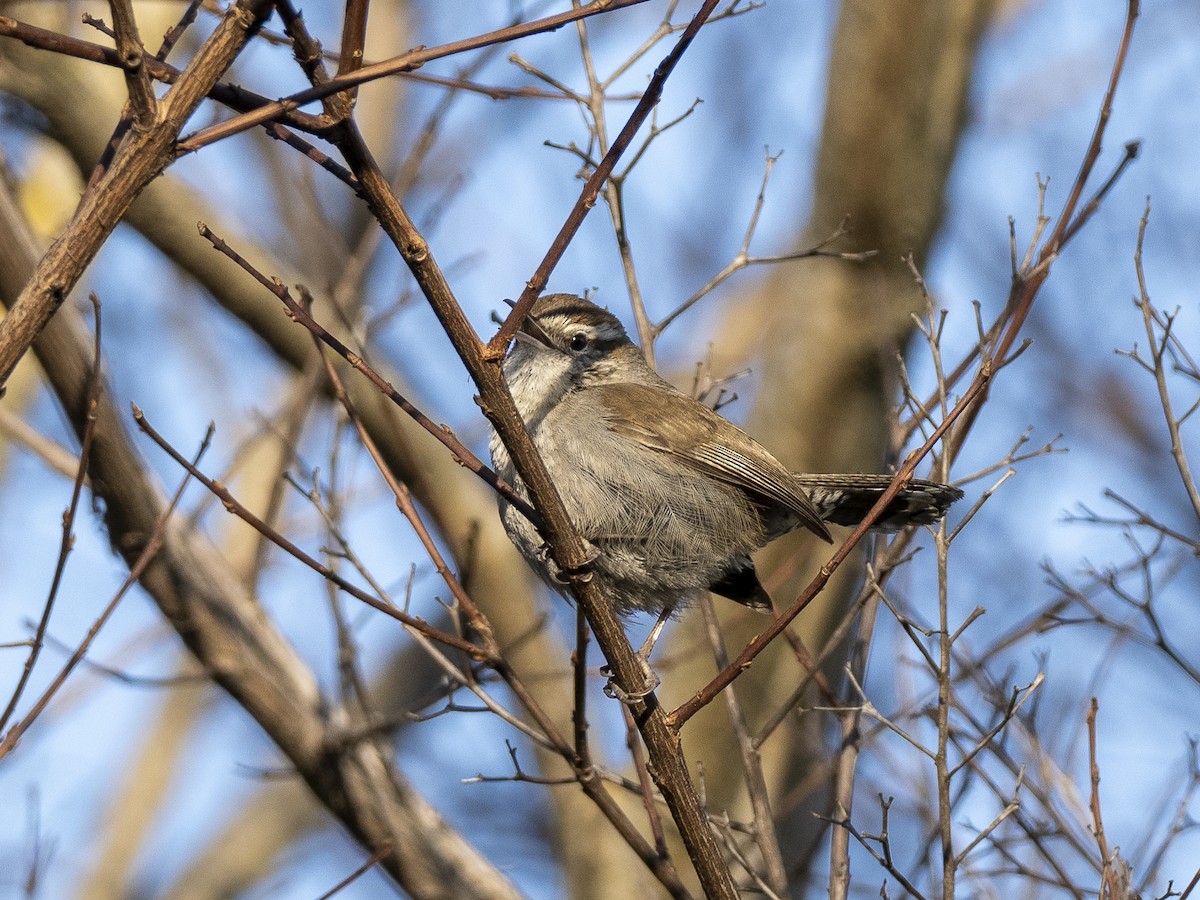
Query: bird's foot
point(611, 689)
point(562, 576)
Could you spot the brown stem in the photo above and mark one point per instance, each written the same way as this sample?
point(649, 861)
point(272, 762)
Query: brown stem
point(1026, 285)
point(143, 103)
point(1109, 887)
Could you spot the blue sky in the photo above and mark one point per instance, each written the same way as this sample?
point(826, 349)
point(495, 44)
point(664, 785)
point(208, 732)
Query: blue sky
point(1039, 78)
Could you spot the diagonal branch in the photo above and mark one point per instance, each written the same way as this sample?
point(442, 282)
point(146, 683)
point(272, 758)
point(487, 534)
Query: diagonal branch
point(591, 189)
point(744, 660)
point(483, 364)
point(139, 160)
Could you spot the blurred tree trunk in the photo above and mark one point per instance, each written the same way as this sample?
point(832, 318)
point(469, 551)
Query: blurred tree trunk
point(823, 334)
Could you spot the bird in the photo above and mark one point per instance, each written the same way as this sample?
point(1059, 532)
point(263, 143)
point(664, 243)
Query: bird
point(670, 497)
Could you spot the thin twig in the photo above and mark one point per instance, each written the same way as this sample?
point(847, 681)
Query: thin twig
point(405, 62)
point(154, 543)
point(706, 694)
point(142, 101)
point(1107, 875)
point(1157, 346)
point(375, 858)
point(775, 873)
point(462, 454)
point(232, 505)
point(94, 384)
point(591, 189)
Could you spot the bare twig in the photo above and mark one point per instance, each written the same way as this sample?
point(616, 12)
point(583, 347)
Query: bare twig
point(1158, 336)
point(154, 543)
point(706, 694)
point(233, 506)
point(1107, 874)
point(591, 190)
point(68, 525)
point(137, 80)
point(742, 259)
point(774, 873)
point(371, 861)
point(462, 455)
point(883, 856)
point(405, 62)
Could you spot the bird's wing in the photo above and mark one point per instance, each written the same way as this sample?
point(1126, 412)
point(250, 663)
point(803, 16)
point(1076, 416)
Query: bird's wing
point(671, 422)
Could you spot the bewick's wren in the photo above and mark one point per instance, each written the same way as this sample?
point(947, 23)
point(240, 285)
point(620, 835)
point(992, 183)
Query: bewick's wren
point(671, 498)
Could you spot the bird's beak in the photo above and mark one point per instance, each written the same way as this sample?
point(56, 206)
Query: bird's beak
point(530, 332)
point(524, 337)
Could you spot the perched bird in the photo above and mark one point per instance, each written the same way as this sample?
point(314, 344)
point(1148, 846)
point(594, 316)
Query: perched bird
point(671, 498)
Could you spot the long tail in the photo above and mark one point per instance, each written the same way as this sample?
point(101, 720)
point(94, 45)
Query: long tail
point(845, 499)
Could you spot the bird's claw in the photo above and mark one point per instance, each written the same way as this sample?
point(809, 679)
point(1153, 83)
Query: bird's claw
point(563, 576)
point(611, 689)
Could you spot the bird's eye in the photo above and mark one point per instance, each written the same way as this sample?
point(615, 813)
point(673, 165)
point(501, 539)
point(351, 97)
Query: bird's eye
point(579, 342)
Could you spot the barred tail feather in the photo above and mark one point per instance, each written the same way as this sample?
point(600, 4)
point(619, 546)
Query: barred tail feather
point(845, 499)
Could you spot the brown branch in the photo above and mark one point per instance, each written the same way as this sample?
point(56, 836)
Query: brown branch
point(354, 38)
point(140, 159)
point(883, 856)
point(176, 31)
point(585, 773)
point(1158, 349)
point(405, 62)
point(645, 783)
point(373, 860)
point(143, 103)
point(591, 189)
point(483, 364)
point(850, 737)
point(124, 59)
point(1028, 282)
point(308, 54)
point(1108, 875)
point(579, 684)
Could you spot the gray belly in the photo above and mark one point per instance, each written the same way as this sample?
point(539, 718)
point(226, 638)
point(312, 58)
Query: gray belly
point(658, 534)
